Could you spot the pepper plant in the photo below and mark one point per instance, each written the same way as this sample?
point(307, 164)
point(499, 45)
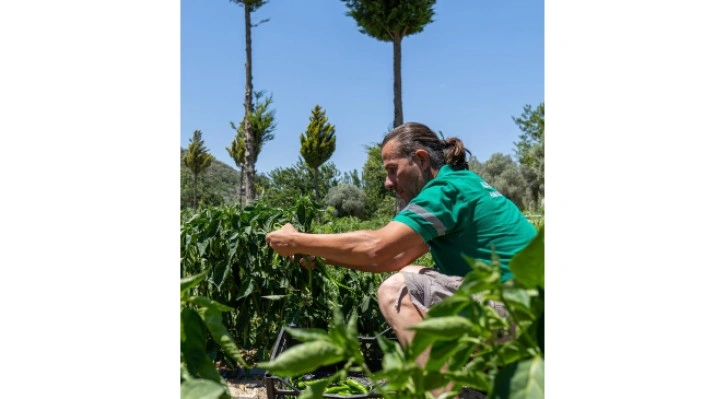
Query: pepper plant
point(201, 318)
point(264, 290)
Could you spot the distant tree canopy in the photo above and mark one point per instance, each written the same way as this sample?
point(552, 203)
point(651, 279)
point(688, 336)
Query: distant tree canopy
point(374, 179)
point(502, 173)
point(347, 199)
point(283, 186)
point(530, 149)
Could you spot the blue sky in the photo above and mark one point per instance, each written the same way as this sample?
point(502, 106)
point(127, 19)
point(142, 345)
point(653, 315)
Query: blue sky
point(473, 68)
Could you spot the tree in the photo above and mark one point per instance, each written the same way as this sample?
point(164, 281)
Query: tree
point(317, 144)
point(502, 173)
point(347, 199)
point(530, 147)
point(283, 186)
point(374, 179)
point(391, 21)
point(197, 159)
point(352, 178)
point(250, 143)
point(262, 121)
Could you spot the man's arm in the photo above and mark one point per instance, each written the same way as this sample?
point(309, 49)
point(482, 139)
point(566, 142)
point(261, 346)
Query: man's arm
point(386, 249)
point(396, 263)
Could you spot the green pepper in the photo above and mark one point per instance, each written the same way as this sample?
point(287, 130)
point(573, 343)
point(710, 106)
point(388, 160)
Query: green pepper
point(337, 389)
point(356, 386)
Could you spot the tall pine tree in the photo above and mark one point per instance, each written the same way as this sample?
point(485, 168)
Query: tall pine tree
point(197, 159)
point(317, 144)
point(250, 143)
point(391, 21)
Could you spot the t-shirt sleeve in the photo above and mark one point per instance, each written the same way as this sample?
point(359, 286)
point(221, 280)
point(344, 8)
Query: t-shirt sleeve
point(431, 212)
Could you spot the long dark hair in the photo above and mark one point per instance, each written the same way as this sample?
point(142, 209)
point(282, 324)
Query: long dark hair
point(412, 136)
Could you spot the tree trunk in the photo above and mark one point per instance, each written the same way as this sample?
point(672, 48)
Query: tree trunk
point(194, 191)
point(249, 164)
point(315, 182)
point(242, 186)
point(397, 100)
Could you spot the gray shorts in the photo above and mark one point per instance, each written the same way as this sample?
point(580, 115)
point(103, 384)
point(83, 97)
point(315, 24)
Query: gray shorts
point(428, 287)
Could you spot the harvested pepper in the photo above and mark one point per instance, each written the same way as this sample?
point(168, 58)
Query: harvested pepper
point(339, 389)
point(355, 386)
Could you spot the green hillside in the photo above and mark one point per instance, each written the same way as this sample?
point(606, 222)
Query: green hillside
point(217, 184)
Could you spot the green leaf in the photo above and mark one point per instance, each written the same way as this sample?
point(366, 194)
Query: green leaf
point(191, 281)
point(315, 390)
point(213, 321)
point(351, 331)
point(220, 273)
point(528, 264)
point(522, 380)
point(202, 246)
point(449, 306)
point(304, 358)
point(447, 328)
point(205, 302)
point(194, 346)
point(472, 375)
point(307, 334)
point(393, 357)
point(477, 281)
point(246, 288)
point(434, 379)
point(517, 295)
point(441, 353)
point(514, 351)
point(421, 342)
point(365, 303)
point(202, 389)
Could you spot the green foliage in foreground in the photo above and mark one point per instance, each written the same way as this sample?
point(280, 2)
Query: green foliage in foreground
point(462, 332)
point(200, 318)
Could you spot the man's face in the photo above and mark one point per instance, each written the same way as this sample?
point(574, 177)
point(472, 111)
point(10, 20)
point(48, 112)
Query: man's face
point(404, 175)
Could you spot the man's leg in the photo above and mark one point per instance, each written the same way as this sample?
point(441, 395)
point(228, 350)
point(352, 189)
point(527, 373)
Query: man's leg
point(396, 305)
point(400, 312)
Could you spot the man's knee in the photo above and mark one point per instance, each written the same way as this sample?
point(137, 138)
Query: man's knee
point(390, 289)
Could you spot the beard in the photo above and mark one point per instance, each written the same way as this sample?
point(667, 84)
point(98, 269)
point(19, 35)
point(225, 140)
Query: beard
point(401, 203)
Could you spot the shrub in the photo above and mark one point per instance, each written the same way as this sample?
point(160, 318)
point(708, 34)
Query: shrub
point(347, 199)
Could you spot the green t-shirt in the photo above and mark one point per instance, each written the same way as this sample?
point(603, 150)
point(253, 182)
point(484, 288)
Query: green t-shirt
point(458, 213)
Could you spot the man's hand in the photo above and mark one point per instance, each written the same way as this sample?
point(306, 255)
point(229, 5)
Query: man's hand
point(281, 241)
point(306, 261)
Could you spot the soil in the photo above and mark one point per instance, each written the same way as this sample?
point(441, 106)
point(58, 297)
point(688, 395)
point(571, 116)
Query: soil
point(244, 384)
point(247, 388)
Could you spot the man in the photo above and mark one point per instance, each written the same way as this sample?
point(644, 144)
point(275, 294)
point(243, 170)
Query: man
point(450, 211)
